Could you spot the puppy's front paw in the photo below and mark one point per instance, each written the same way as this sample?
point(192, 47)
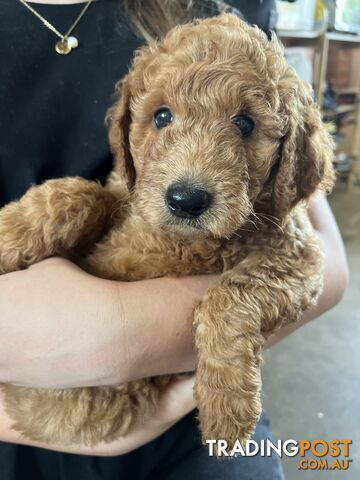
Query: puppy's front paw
point(227, 415)
point(61, 215)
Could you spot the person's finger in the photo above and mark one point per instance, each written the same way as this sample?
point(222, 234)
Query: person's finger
point(177, 399)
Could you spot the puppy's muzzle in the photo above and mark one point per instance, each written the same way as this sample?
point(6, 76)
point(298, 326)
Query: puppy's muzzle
point(187, 201)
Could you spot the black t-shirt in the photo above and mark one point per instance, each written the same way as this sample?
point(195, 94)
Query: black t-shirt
point(52, 111)
point(52, 107)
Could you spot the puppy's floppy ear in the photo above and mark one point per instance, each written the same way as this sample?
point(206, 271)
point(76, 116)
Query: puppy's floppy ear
point(119, 120)
point(305, 157)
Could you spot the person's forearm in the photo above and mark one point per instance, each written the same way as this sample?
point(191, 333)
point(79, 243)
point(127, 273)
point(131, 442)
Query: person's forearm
point(161, 339)
point(63, 328)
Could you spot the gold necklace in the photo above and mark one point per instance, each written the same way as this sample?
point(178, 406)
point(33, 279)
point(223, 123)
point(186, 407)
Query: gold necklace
point(66, 43)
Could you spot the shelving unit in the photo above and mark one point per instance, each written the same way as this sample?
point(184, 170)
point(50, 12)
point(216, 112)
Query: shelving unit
point(319, 40)
point(341, 109)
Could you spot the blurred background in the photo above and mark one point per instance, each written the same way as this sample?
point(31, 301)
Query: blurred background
point(312, 378)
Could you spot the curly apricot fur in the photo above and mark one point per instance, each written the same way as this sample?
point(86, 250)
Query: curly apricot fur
point(256, 232)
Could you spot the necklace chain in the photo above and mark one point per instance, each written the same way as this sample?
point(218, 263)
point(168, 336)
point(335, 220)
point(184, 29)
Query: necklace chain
point(47, 24)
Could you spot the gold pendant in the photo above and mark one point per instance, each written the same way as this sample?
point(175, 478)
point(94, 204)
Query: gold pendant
point(65, 45)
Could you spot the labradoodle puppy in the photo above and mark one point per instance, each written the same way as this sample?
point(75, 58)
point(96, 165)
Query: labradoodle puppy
point(218, 145)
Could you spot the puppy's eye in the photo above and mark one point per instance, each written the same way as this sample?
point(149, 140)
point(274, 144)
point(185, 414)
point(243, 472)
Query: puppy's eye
point(163, 117)
point(245, 124)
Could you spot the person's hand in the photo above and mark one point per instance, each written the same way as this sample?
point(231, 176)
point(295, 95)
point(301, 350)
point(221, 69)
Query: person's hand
point(61, 327)
point(176, 401)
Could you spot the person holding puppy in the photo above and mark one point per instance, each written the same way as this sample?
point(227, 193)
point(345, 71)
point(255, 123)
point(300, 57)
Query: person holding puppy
point(67, 138)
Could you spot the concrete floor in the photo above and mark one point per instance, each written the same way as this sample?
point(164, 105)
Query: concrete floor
point(312, 378)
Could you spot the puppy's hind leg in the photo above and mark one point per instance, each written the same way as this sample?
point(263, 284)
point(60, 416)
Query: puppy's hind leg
point(56, 218)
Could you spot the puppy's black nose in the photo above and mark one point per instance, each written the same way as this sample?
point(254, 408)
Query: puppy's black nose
point(187, 201)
